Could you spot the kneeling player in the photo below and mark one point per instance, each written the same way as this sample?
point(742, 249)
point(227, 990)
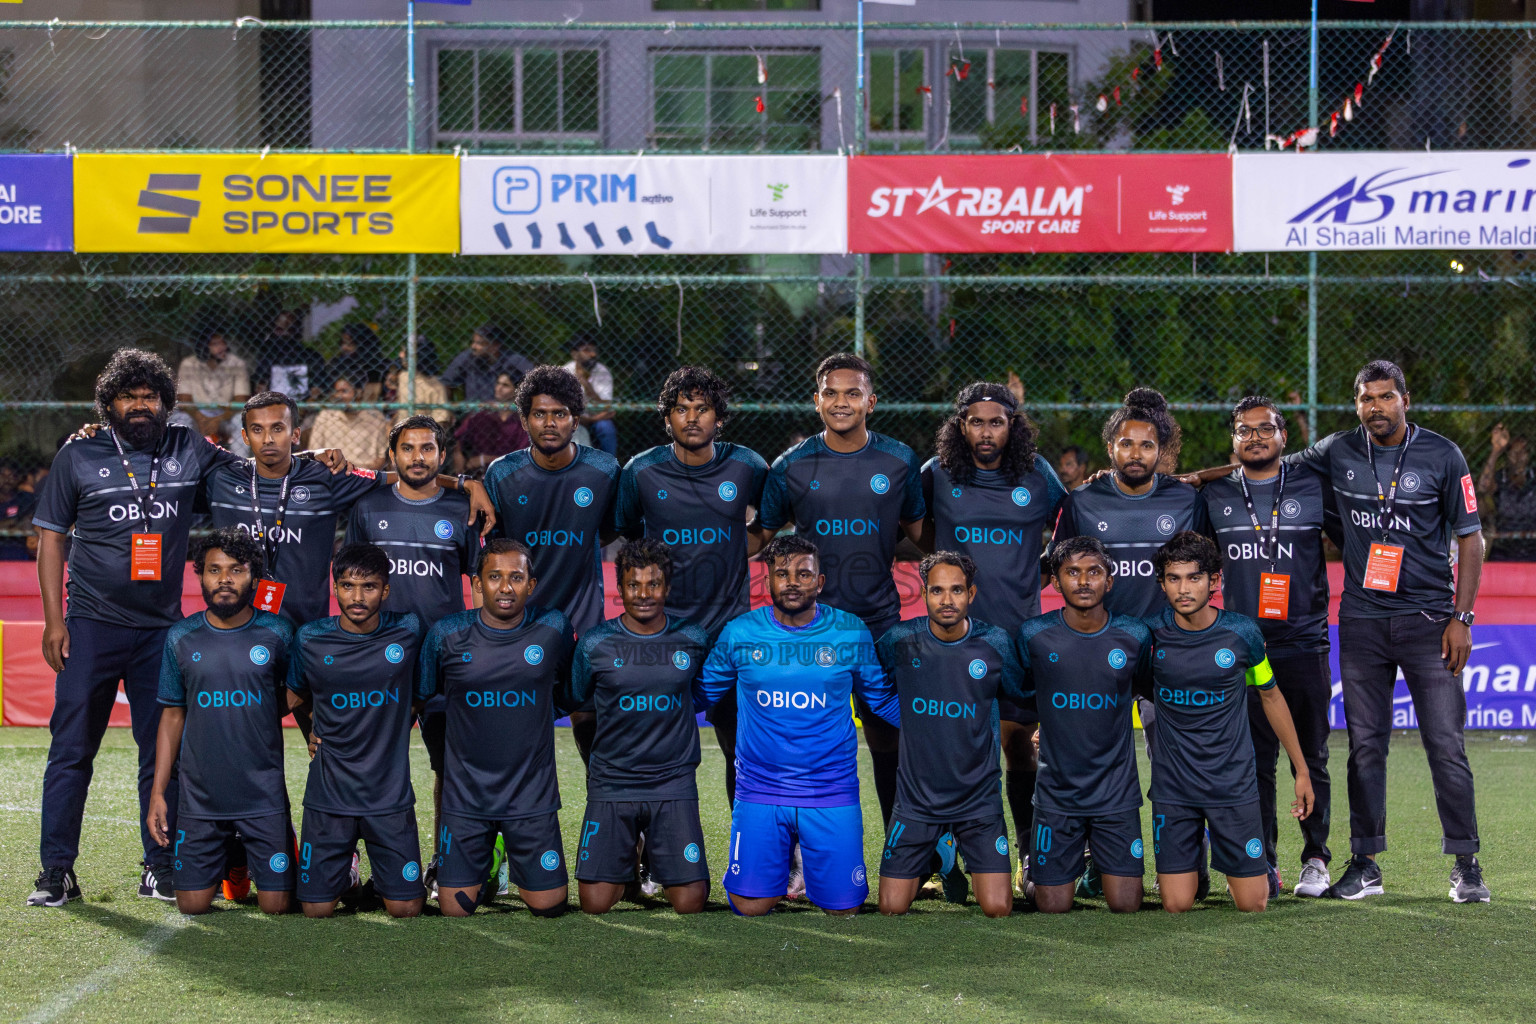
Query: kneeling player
point(948, 670)
point(221, 682)
point(794, 665)
point(357, 673)
point(639, 671)
point(1082, 663)
point(503, 668)
point(1204, 777)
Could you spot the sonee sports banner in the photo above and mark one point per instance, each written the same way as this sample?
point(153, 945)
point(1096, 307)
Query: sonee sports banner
point(581, 205)
point(284, 203)
point(1054, 203)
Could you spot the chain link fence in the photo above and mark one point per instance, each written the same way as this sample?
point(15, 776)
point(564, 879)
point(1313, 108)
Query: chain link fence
point(1079, 330)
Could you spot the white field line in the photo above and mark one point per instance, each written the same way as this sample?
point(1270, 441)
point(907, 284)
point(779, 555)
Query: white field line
point(103, 977)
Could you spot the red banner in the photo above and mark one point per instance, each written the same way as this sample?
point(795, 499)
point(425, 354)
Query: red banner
point(1058, 203)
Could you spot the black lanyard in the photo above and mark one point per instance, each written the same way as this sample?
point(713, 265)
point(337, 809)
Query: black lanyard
point(140, 498)
point(259, 527)
point(1273, 545)
point(1385, 503)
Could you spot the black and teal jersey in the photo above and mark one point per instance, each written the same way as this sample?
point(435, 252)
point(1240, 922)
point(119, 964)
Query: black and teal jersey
point(430, 545)
point(361, 686)
point(317, 500)
point(1002, 527)
point(504, 688)
point(89, 496)
point(699, 512)
point(1200, 682)
point(231, 683)
point(1436, 502)
point(1083, 685)
point(853, 507)
point(1132, 528)
point(647, 742)
point(561, 516)
point(1305, 502)
point(949, 721)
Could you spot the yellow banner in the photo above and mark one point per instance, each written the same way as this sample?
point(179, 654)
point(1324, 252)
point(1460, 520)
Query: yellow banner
point(284, 203)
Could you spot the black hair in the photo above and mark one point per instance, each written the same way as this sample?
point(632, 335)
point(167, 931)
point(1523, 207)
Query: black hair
point(234, 542)
point(1078, 452)
point(266, 399)
point(1188, 546)
point(503, 546)
point(205, 338)
point(580, 338)
point(492, 333)
point(640, 553)
point(1146, 405)
point(131, 368)
point(787, 546)
point(955, 452)
point(845, 361)
point(1072, 547)
point(697, 382)
point(1257, 402)
point(360, 560)
point(556, 382)
point(1381, 369)
point(954, 558)
point(420, 421)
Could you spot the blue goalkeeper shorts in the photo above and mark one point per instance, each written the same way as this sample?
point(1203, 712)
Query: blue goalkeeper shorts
point(831, 852)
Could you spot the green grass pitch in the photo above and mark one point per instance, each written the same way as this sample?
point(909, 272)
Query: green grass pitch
point(1410, 955)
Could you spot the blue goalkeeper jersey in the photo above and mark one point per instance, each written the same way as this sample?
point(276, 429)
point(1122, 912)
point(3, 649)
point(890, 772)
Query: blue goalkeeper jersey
point(795, 743)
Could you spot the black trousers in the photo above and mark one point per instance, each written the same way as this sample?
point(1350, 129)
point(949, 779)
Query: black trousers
point(1371, 652)
point(1303, 680)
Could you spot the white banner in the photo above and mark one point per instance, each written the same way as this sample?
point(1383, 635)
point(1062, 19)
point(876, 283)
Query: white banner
point(568, 205)
point(1355, 201)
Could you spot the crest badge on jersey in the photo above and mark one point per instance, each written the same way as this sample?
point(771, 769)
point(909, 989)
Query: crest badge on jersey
point(859, 877)
point(1136, 848)
point(1021, 496)
point(977, 668)
point(879, 483)
point(826, 657)
point(1225, 658)
point(1410, 481)
point(583, 496)
point(300, 495)
point(411, 871)
point(444, 529)
point(278, 862)
point(1001, 846)
point(727, 491)
point(1290, 508)
point(171, 465)
point(681, 661)
point(260, 655)
point(394, 653)
point(550, 860)
point(533, 654)
point(1117, 659)
point(1254, 849)
point(691, 853)
point(1165, 525)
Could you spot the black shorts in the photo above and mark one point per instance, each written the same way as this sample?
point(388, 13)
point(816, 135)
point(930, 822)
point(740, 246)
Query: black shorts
point(674, 841)
point(535, 851)
point(1237, 845)
point(329, 840)
point(200, 852)
point(909, 845)
point(434, 733)
point(1008, 711)
point(1061, 841)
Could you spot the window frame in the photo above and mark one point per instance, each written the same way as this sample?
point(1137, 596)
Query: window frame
point(476, 137)
point(672, 139)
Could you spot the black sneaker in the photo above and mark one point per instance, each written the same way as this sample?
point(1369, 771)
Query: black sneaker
point(155, 887)
point(1276, 883)
point(57, 886)
point(1361, 879)
point(1467, 881)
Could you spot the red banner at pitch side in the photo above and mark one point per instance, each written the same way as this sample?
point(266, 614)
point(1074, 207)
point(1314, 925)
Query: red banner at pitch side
point(1059, 203)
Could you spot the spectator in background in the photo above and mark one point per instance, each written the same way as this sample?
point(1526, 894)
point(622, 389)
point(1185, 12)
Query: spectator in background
point(1072, 467)
point(361, 434)
point(211, 378)
point(487, 435)
point(287, 364)
point(1511, 494)
point(429, 390)
point(597, 385)
point(16, 507)
point(360, 360)
point(474, 371)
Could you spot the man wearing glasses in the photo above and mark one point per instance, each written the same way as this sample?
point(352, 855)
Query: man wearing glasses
point(1269, 520)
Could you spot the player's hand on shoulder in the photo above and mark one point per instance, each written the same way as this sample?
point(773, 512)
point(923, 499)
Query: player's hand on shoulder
point(87, 430)
point(333, 460)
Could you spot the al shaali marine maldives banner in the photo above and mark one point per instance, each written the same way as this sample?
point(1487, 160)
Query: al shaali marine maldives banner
point(332, 203)
point(566, 205)
point(1348, 202)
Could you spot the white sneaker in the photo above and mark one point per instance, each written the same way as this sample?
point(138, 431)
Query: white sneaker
point(1314, 880)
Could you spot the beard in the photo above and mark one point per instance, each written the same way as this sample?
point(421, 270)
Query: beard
point(225, 605)
point(142, 431)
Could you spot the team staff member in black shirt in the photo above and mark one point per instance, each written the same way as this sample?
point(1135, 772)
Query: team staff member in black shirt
point(1403, 492)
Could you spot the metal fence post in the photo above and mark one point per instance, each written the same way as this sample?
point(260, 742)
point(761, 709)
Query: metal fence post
point(410, 259)
point(858, 149)
point(1312, 256)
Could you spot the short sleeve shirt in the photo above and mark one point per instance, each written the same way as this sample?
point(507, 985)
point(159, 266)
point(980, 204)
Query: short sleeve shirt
point(430, 545)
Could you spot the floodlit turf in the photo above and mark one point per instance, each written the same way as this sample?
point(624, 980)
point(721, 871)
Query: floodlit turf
point(1408, 956)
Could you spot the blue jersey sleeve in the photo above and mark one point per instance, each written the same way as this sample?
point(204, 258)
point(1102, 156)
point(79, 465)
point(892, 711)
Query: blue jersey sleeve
point(628, 516)
point(427, 662)
point(60, 497)
point(173, 689)
point(296, 681)
point(581, 665)
point(1066, 522)
point(1012, 681)
point(774, 511)
point(1315, 457)
point(759, 480)
point(913, 507)
point(719, 674)
point(871, 683)
point(1055, 490)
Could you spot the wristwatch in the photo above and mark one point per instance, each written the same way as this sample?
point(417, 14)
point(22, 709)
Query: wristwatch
point(1464, 617)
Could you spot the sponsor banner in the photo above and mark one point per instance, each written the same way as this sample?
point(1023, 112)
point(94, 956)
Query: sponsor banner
point(1072, 203)
point(339, 203)
point(563, 205)
point(1349, 202)
point(1500, 682)
point(36, 203)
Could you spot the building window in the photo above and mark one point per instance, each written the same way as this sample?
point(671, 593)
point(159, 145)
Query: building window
point(1008, 89)
point(506, 96)
point(735, 5)
point(898, 108)
point(709, 100)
